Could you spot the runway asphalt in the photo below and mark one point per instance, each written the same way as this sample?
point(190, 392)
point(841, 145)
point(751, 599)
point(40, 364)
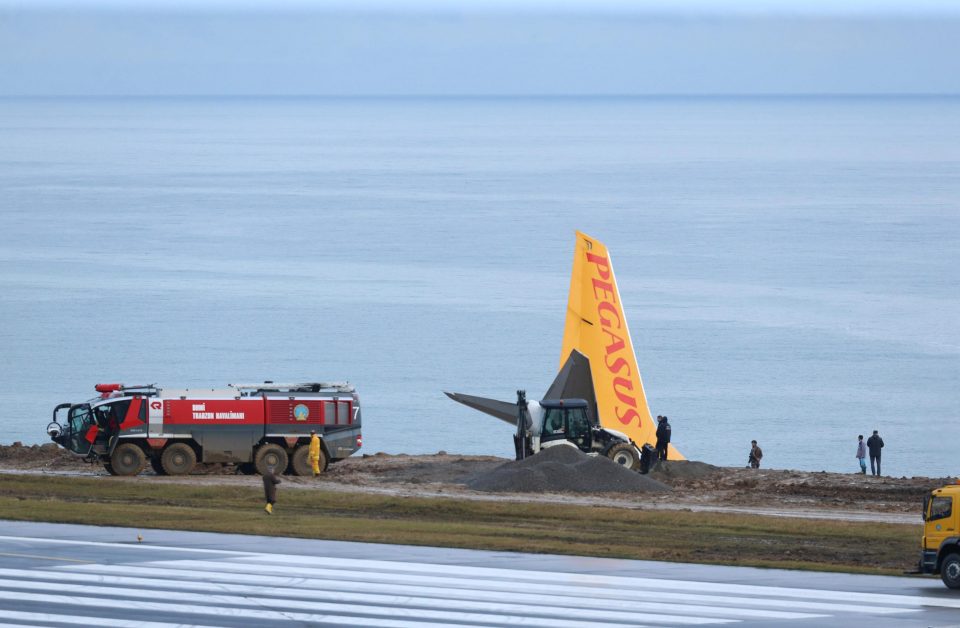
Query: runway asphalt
point(69, 575)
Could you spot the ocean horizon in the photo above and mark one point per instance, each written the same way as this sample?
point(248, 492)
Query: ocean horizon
point(789, 265)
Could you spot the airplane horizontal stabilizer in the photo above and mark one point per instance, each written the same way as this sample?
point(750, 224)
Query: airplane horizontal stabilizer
point(503, 410)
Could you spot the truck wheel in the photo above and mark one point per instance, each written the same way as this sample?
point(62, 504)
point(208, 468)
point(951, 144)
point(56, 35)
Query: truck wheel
point(950, 571)
point(128, 459)
point(624, 455)
point(270, 455)
point(178, 459)
point(157, 466)
point(300, 464)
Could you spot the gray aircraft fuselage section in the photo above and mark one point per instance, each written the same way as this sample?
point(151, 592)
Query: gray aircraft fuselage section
point(575, 381)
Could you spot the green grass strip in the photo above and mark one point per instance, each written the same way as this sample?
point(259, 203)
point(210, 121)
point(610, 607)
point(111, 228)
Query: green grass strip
point(680, 536)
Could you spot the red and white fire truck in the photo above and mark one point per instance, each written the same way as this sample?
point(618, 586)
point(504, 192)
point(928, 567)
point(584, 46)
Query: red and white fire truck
point(254, 426)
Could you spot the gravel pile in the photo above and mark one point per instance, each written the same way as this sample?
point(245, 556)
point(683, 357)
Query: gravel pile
point(564, 469)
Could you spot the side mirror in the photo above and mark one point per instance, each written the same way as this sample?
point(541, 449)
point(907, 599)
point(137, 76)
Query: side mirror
point(54, 430)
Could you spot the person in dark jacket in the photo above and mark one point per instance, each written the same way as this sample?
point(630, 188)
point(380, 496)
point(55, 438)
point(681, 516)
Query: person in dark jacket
point(663, 437)
point(875, 444)
point(756, 454)
point(270, 481)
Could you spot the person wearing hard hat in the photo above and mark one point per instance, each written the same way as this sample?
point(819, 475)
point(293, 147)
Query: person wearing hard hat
point(315, 452)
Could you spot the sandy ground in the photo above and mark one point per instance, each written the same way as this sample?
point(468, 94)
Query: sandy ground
point(696, 486)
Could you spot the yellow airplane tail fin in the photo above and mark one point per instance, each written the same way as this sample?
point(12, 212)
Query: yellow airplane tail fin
point(596, 326)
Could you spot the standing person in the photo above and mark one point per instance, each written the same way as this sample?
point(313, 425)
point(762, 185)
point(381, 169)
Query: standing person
point(315, 452)
point(663, 437)
point(270, 481)
point(875, 444)
point(755, 455)
point(862, 454)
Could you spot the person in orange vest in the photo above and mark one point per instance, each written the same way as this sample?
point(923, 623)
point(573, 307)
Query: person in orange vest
point(315, 452)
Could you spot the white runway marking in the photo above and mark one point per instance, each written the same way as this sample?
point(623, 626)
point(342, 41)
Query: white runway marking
point(560, 609)
point(214, 587)
point(383, 605)
point(50, 618)
point(605, 581)
point(161, 548)
point(453, 588)
point(221, 612)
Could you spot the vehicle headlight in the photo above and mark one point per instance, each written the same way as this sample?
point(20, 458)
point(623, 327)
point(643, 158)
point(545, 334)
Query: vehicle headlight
point(54, 430)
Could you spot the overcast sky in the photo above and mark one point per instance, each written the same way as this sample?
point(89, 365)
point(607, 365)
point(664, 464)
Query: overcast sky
point(462, 47)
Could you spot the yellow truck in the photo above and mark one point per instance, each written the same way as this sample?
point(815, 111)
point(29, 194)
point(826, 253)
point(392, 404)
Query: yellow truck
point(940, 553)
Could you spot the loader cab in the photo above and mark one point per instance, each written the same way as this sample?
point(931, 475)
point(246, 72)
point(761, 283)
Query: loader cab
point(566, 419)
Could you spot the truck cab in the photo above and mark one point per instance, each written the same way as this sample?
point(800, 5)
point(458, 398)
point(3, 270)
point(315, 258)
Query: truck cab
point(940, 547)
point(81, 432)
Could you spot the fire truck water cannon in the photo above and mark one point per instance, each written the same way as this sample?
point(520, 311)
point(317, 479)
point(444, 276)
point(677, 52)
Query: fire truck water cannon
point(253, 426)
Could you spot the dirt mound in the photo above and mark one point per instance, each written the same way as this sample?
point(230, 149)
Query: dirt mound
point(382, 468)
point(46, 456)
point(561, 470)
point(51, 457)
point(671, 470)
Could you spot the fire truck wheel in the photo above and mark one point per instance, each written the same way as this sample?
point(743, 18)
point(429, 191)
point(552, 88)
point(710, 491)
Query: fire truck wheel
point(624, 455)
point(270, 455)
point(156, 466)
point(950, 571)
point(128, 459)
point(178, 459)
point(300, 464)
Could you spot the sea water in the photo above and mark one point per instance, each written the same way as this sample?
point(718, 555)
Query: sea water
point(789, 267)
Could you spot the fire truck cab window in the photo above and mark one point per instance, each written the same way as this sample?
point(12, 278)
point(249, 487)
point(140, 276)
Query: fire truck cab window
point(940, 508)
point(111, 415)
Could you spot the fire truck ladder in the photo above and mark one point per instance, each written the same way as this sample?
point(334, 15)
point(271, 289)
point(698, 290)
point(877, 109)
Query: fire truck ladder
point(345, 387)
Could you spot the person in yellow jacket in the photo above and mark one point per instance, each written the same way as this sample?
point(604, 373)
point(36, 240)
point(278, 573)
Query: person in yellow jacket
point(315, 452)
